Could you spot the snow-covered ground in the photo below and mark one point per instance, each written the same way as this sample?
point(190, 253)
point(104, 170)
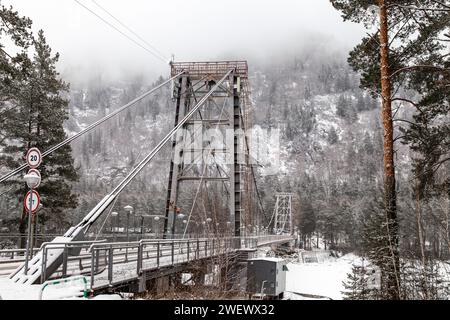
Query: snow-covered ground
point(319, 279)
point(12, 291)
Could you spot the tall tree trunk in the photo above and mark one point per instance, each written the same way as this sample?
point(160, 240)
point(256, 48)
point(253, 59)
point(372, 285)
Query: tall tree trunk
point(421, 236)
point(419, 223)
point(392, 272)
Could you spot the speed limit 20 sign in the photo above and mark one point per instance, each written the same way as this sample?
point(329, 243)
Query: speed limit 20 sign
point(34, 158)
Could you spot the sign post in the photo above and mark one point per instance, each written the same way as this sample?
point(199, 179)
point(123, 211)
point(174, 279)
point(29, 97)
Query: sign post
point(32, 199)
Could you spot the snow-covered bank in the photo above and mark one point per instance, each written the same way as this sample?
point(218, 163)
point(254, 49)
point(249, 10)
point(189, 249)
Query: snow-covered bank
point(12, 291)
point(320, 279)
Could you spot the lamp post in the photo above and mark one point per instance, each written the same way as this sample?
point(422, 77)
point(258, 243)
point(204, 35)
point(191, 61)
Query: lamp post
point(156, 219)
point(204, 228)
point(184, 225)
point(115, 216)
point(142, 227)
point(32, 180)
point(208, 220)
point(135, 225)
point(129, 210)
point(180, 218)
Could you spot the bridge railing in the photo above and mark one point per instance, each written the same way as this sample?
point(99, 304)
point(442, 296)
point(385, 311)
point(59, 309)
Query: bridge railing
point(72, 251)
point(17, 255)
point(273, 238)
point(111, 261)
point(108, 267)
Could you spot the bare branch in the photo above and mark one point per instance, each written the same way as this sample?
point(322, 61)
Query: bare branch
point(403, 120)
point(408, 101)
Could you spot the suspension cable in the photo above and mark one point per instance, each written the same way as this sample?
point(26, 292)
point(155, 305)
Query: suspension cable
point(253, 171)
point(149, 157)
point(90, 127)
point(92, 216)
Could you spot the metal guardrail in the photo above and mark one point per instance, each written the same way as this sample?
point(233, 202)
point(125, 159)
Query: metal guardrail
point(74, 245)
point(160, 252)
point(102, 259)
point(67, 280)
point(13, 253)
point(216, 68)
point(274, 238)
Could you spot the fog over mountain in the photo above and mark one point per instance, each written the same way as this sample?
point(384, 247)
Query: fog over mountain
point(191, 30)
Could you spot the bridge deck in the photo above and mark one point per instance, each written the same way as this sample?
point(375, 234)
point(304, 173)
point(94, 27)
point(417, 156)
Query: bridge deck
point(109, 265)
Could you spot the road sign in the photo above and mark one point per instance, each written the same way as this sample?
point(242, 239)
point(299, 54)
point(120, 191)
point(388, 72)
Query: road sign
point(35, 201)
point(34, 158)
point(36, 173)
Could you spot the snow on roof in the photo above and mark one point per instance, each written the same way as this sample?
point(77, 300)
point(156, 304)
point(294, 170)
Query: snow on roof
point(272, 259)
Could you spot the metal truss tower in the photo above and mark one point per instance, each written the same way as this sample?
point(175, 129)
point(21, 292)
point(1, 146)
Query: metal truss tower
point(283, 214)
point(209, 152)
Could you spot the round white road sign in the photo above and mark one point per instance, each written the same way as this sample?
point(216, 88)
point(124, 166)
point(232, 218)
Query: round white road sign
point(35, 201)
point(36, 173)
point(34, 158)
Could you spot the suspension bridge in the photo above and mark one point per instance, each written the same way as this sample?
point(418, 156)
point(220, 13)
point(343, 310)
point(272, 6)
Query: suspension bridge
point(208, 97)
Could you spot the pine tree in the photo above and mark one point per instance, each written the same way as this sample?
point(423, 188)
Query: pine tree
point(395, 56)
point(307, 219)
point(40, 110)
point(357, 286)
point(332, 136)
point(377, 244)
point(17, 30)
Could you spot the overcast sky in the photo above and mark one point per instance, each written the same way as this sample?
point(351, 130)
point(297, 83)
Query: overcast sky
point(193, 30)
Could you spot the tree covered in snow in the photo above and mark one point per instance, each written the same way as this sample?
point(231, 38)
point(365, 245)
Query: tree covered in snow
point(404, 60)
point(357, 286)
point(36, 109)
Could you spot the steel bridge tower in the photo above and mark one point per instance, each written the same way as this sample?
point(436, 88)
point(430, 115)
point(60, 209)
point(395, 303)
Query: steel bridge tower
point(211, 150)
point(283, 214)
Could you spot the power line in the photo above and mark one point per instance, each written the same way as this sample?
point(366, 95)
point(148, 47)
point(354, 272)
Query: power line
point(130, 30)
point(121, 32)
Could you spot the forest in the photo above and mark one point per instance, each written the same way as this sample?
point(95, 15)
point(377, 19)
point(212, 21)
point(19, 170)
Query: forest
point(365, 141)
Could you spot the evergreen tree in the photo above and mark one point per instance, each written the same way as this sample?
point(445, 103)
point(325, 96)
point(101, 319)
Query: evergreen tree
point(344, 108)
point(377, 245)
point(407, 51)
point(332, 136)
point(357, 286)
point(307, 219)
point(17, 30)
point(361, 103)
point(40, 110)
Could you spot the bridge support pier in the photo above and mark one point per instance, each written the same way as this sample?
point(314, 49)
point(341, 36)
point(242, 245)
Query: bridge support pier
point(142, 284)
point(162, 285)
